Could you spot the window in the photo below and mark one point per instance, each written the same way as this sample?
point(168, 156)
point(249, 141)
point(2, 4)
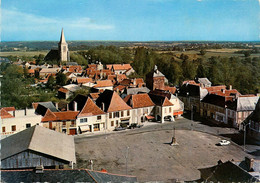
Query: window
point(170, 109)
point(72, 122)
point(116, 114)
point(63, 123)
point(98, 117)
point(84, 120)
point(112, 123)
point(13, 128)
point(3, 129)
point(110, 115)
point(128, 113)
point(28, 125)
point(96, 127)
point(122, 113)
point(117, 123)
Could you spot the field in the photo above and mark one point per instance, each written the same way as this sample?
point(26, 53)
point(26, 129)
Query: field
point(151, 158)
point(23, 53)
point(209, 53)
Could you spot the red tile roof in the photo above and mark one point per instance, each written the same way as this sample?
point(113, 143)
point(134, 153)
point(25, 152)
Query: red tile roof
point(216, 88)
point(4, 114)
point(90, 109)
point(84, 80)
point(60, 116)
point(119, 66)
point(191, 82)
point(170, 89)
point(63, 90)
point(94, 95)
point(75, 68)
point(117, 104)
point(31, 71)
point(103, 83)
point(120, 77)
point(120, 88)
point(166, 102)
point(9, 108)
point(139, 100)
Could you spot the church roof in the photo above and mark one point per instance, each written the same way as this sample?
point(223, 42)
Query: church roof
point(62, 37)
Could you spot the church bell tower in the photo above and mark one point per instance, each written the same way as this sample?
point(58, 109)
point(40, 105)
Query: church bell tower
point(63, 48)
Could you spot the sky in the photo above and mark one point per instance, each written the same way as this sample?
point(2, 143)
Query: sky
point(131, 20)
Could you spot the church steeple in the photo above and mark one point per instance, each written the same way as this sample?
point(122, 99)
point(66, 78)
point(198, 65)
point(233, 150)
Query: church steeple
point(63, 48)
point(62, 37)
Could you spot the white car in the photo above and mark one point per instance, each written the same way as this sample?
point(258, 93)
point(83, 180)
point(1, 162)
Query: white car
point(224, 142)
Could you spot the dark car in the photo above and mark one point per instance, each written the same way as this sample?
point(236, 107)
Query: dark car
point(119, 128)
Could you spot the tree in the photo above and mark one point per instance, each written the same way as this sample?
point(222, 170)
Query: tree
point(61, 79)
point(247, 53)
point(51, 82)
point(202, 52)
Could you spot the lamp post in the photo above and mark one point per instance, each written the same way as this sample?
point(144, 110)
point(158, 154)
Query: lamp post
point(245, 136)
point(191, 117)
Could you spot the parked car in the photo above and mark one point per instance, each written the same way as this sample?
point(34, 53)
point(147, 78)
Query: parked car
point(224, 142)
point(133, 125)
point(119, 128)
point(139, 126)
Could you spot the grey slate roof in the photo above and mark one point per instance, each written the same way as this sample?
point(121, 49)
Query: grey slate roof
point(54, 176)
point(226, 172)
point(204, 81)
point(246, 103)
point(44, 106)
point(256, 114)
point(133, 91)
point(41, 140)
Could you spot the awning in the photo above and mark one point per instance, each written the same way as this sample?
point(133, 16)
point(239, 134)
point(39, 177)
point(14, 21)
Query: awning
point(177, 113)
point(84, 128)
point(125, 121)
point(149, 117)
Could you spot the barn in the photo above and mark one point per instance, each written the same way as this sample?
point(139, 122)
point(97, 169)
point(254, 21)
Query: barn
point(37, 146)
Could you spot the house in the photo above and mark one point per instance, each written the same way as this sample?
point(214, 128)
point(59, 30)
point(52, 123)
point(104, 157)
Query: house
point(155, 79)
point(239, 109)
point(163, 108)
point(254, 123)
point(91, 118)
point(78, 103)
point(191, 94)
point(214, 107)
point(227, 172)
point(118, 113)
point(142, 107)
point(45, 71)
point(37, 146)
point(42, 107)
point(63, 122)
point(120, 68)
point(178, 105)
point(204, 82)
point(104, 85)
point(83, 80)
point(63, 175)
point(132, 91)
point(17, 121)
point(66, 91)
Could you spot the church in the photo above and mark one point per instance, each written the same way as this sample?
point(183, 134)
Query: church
point(60, 54)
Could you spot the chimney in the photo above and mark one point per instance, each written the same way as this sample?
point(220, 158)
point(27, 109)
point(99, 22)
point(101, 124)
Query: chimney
point(75, 106)
point(14, 113)
point(230, 87)
point(249, 163)
point(134, 81)
point(103, 106)
point(57, 105)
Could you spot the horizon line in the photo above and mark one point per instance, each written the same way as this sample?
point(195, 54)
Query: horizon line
point(135, 41)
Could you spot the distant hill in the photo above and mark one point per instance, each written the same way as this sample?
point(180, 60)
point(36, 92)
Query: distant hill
point(83, 45)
